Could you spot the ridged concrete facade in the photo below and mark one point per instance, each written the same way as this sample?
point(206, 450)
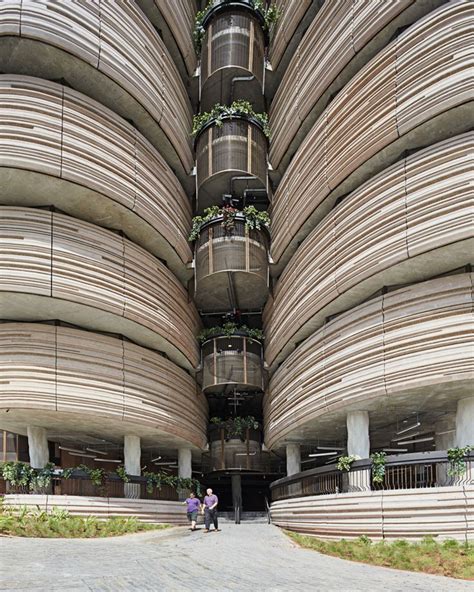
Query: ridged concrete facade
point(98, 330)
point(365, 292)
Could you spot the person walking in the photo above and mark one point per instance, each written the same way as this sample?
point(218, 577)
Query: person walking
point(210, 510)
point(192, 508)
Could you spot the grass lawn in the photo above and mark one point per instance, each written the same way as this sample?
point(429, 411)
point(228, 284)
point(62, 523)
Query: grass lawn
point(59, 523)
point(447, 558)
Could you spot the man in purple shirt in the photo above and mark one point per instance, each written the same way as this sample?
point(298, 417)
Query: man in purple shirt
point(210, 510)
point(192, 508)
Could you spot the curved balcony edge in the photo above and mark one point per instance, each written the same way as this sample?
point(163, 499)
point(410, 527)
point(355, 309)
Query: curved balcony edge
point(412, 112)
point(73, 381)
point(381, 515)
point(377, 236)
point(408, 348)
point(35, 58)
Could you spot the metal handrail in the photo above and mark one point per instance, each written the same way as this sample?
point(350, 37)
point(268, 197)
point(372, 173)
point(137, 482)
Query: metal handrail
point(267, 509)
point(435, 456)
point(237, 514)
point(405, 471)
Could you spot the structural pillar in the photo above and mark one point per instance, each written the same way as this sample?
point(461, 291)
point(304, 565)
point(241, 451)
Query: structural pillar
point(185, 469)
point(445, 438)
point(38, 447)
point(358, 444)
point(465, 422)
point(293, 459)
point(465, 434)
point(132, 457)
point(237, 495)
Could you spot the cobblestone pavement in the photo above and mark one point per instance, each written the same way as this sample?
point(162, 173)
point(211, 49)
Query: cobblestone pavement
point(249, 557)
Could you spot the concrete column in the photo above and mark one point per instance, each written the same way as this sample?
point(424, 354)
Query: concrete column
point(185, 469)
point(132, 454)
point(358, 444)
point(445, 437)
point(465, 422)
point(38, 447)
point(236, 491)
point(445, 433)
point(293, 459)
point(131, 457)
point(465, 435)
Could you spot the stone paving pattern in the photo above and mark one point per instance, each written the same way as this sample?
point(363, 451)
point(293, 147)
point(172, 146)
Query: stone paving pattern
point(249, 557)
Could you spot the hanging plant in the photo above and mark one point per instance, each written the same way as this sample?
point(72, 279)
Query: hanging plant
point(97, 476)
point(122, 473)
point(378, 467)
point(270, 14)
point(344, 463)
point(228, 330)
point(17, 474)
point(236, 426)
point(41, 478)
point(254, 219)
point(67, 473)
point(20, 474)
point(157, 480)
point(236, 109)
point(457, 460)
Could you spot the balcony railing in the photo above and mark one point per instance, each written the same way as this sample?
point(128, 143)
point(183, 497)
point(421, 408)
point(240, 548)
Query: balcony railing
point(241, 254)
point(230, 158)
point(233, 48)
point(113, 486)
point(234, 362)
point(408, 471)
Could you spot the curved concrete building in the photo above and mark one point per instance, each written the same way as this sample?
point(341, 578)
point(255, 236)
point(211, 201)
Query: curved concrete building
point(342, 328)
point(98, 331)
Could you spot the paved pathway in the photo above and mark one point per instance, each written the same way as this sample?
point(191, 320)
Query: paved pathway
point(249, 557)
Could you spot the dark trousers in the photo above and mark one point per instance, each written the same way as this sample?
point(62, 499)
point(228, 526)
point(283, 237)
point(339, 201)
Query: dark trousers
point(210, 515)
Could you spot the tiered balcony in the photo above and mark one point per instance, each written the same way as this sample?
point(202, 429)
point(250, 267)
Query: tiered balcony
point(232, 55)
point(232, 363)
point(231, 267)
point(231, 157)
point(239, 454)
point(416, 498)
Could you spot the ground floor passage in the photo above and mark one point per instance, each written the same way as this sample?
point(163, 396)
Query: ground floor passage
point(248, 557)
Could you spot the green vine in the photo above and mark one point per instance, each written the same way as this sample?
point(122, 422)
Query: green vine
point(344, 463)
point(378, 467)
point(228, 330)
point(456, 457)
point(254, 219)
point(97, 476)
point(271, 14)
point(235, 426)
point(122, 473)
point(157, 480)
point(20, 474)
point(236, 109)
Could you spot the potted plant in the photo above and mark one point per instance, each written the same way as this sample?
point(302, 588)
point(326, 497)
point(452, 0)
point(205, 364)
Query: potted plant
point(267, 15)
point(254, 219)
point(457, 460)
point(237, 110)
point(230, 329)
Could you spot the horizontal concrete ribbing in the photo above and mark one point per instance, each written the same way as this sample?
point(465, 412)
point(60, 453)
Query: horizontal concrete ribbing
point(56, 256)
point(158, 512)
point(424, 73)
point(337, 32)
point(443, 512)
point(56, 132)
point(58, 369)
point(117, 40)
point(415, 337)
point(399, 227)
